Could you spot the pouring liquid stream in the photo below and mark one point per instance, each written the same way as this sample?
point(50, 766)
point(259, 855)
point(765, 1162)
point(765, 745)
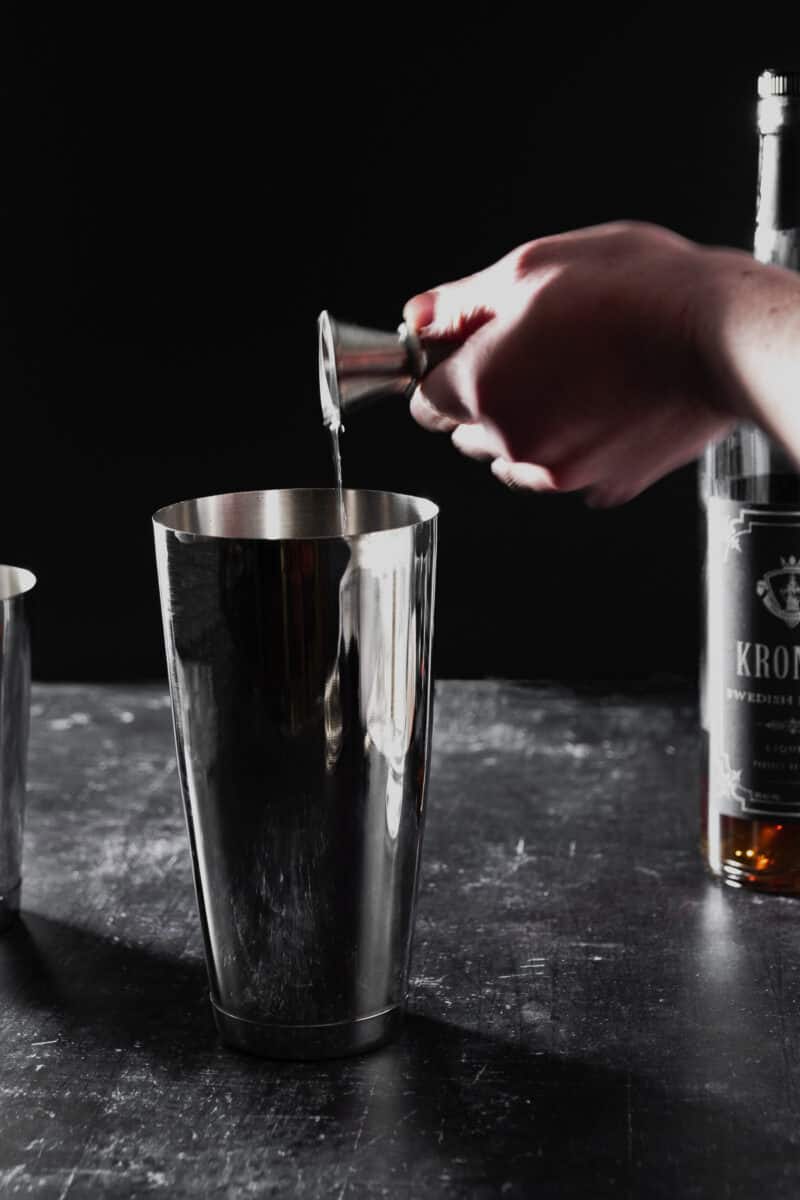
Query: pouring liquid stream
point(331, 411)
point(336, 452)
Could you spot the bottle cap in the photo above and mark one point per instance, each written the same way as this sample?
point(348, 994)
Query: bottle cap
point(779, 83)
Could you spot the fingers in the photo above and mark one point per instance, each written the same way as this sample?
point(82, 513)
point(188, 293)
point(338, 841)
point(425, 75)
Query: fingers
point(429, 417)
point(420, 311)
point(454, 315)
point(476, 441)
point(455, 310)
point(441, 400)
point(523, 476)
point(609, 477)
point(437, 404)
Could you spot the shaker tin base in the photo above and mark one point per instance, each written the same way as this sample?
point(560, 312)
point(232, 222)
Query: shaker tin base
point(309, 1041)
point(9, 906)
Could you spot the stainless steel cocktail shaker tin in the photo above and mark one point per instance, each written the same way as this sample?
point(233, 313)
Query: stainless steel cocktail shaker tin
point(300, 674)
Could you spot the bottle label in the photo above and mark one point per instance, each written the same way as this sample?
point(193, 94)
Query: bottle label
point(753, 658)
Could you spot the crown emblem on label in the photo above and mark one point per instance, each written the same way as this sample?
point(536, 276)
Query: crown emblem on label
point(792, 726)
point(780, 591)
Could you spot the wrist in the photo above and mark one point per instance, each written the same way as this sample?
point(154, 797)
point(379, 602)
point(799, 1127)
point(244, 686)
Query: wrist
point(750, 337)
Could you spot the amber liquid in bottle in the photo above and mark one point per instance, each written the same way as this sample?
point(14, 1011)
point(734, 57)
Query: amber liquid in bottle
point(758, 854)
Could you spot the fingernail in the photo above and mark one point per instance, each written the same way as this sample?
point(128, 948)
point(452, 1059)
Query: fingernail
point(523, 475)
point(419, 312)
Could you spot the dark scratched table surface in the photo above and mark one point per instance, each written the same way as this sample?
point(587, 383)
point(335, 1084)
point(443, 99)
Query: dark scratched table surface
point(589, 1015)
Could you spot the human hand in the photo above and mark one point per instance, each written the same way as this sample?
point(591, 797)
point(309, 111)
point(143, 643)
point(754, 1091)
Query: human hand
point(589, 360)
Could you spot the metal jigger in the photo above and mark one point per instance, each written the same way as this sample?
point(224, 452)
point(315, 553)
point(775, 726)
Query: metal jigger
point(359, 366)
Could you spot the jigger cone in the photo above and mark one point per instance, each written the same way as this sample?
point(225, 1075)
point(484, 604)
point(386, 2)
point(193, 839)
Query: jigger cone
point(359, 366)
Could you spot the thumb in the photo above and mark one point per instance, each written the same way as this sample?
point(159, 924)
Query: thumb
point(453, 311)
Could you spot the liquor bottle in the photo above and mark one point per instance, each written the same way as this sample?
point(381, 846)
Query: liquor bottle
point(750, 676)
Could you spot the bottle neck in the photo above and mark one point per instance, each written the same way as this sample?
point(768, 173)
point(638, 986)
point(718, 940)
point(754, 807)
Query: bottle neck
point(777, 238)
point(748, 465)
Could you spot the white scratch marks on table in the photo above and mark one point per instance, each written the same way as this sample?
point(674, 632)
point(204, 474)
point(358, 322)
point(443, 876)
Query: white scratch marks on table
point(9, 1175)
point(67, 1186)
point(400, 1121)
point(363, 1120)
point(357, 1142)
point(537, 965)
point(650, 871)
point(427, 981)
point(502, 865)
point(160, 778)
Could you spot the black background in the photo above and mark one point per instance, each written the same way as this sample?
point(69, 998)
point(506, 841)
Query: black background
point(188, 191)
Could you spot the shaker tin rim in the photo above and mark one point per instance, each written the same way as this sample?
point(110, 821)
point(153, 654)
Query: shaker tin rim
point(429, 511)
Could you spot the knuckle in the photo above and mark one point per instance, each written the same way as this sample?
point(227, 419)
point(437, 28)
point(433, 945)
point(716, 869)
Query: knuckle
point(632, 230)
point(530, 256)
point(644, 235)
point(629, 227)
